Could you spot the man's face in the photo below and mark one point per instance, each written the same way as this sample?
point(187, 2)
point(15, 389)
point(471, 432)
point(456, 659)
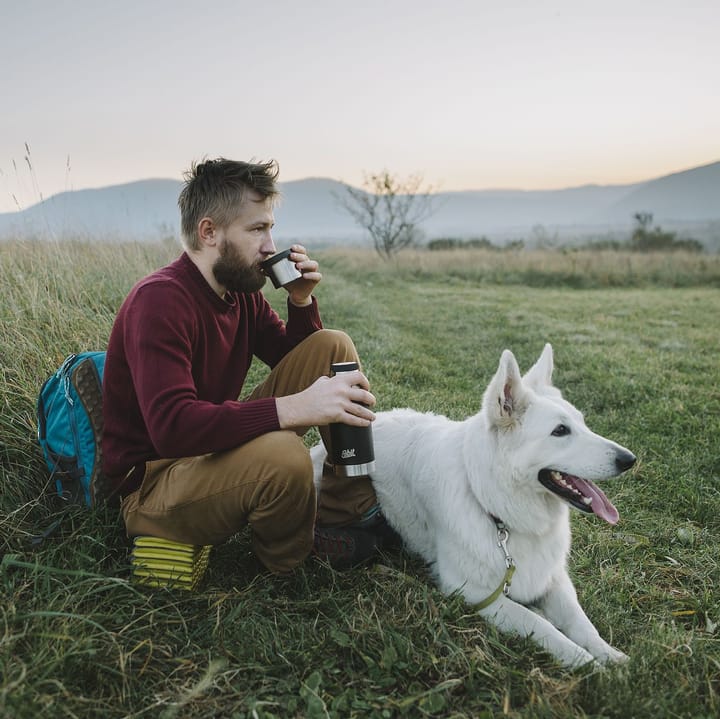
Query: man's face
point(244, 244)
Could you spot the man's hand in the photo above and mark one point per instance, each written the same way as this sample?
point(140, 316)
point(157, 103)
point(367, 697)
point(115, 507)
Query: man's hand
point(329, 399)
point(301, 289)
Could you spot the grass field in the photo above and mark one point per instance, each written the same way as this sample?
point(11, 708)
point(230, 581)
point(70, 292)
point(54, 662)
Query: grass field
point(636, 348)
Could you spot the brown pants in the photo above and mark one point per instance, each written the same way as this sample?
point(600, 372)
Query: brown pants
point(267, 482)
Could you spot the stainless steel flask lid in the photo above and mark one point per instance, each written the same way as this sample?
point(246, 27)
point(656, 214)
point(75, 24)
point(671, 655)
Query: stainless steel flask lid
point(280, 269)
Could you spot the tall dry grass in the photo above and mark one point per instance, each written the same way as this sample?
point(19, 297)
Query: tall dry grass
point(544, 268)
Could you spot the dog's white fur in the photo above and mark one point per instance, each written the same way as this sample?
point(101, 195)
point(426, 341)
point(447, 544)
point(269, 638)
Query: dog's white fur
point(440, 482)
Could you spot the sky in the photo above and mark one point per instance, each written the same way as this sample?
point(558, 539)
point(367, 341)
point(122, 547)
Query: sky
point(471, 94)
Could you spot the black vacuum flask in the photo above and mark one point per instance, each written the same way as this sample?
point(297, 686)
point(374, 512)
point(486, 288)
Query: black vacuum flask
point(352, 450)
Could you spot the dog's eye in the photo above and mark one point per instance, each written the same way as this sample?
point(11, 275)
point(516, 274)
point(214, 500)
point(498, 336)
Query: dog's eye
point(561, 430)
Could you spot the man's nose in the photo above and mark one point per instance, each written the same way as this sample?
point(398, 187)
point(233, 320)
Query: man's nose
point(268, 246)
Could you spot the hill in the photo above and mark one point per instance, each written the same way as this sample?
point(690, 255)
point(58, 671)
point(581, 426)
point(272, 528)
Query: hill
point(693, 195)
point(145, 209)
point(309, 210)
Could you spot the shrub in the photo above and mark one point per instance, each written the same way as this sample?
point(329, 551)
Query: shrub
point(645, 239)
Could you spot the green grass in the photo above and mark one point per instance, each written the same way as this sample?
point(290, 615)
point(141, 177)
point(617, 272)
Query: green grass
point(636, 352)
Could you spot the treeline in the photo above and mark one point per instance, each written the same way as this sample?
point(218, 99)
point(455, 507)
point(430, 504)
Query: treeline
point(644, 238)
point(473, 243)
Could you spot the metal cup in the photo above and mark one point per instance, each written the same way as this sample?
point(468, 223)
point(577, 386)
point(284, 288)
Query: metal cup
point(280, 269)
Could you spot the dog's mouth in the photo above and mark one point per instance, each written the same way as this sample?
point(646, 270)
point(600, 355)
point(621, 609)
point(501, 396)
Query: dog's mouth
point(580, 493)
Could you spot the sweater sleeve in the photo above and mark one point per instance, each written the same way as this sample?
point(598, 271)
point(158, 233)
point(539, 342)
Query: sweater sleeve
point(159, 349)
point(275, 338)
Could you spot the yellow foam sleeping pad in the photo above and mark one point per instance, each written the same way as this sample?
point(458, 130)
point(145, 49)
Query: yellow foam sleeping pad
point(161, 563)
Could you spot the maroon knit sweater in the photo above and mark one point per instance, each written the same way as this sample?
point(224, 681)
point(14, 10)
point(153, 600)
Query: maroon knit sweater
point(176, 362)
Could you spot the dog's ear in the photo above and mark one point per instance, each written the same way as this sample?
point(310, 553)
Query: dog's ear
point(540, 374)
point(505, 398)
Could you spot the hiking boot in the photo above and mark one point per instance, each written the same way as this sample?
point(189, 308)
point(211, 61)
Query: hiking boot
point(374, 521)
point(357, 542)
point(344, 547)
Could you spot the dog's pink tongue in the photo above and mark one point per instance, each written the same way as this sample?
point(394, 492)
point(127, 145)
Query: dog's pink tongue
point(601, 505)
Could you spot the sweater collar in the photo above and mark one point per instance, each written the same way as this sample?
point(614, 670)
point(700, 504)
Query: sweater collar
point(223, 304)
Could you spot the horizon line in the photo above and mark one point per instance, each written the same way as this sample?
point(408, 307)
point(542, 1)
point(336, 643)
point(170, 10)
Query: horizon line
point(438, 191)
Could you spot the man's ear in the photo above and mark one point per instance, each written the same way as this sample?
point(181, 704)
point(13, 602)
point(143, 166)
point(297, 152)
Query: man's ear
point(207, 232)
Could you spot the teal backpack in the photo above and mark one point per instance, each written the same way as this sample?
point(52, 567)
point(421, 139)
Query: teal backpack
point(70, 423)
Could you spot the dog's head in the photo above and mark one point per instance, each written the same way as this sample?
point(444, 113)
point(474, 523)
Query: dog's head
point(544, 439)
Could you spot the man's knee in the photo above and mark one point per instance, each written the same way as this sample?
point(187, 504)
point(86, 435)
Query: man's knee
point(332, 343)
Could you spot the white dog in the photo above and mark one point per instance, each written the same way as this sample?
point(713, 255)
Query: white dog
point(486, 502)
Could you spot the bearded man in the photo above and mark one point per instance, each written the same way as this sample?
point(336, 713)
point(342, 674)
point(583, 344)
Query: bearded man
point(189, 459)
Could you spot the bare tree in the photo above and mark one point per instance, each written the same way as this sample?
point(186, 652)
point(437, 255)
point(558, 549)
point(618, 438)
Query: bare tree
point(390, 209)
point(644, 220)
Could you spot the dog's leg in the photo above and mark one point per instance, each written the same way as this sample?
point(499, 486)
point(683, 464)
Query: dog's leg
point(514, 618)
point(506, 614)
point(561, 607)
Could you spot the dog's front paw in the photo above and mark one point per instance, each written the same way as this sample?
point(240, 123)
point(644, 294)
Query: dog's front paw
point(610, 655)
point(578, 659)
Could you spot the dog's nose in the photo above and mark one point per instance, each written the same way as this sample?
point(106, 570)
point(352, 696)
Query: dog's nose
point(624, 460)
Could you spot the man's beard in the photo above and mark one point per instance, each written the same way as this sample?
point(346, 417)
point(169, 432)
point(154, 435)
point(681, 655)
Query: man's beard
point(234, 274)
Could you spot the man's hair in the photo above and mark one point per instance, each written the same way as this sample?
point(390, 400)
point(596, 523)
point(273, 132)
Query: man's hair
point(216, 189)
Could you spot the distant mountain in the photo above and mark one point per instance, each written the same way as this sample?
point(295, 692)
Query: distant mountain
point(693, 195)
point(497, 211)
point(145, 209)
point(309, 210)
